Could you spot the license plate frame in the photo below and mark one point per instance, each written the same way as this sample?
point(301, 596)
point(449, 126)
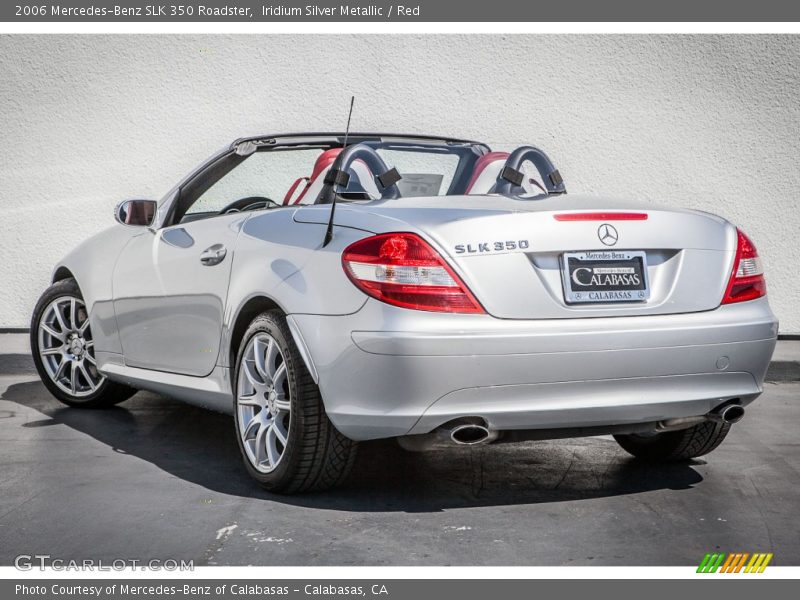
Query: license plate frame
point(611, 263)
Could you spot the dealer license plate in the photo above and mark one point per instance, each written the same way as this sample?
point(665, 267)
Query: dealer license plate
point(605, 276)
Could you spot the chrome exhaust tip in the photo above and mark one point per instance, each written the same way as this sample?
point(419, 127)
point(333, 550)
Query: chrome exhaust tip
point(465, 431)
point(727, 413)
point(471, 435)
point(731, 413)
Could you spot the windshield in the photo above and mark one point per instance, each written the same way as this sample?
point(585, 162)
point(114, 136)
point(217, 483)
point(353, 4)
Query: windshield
point(300, 169)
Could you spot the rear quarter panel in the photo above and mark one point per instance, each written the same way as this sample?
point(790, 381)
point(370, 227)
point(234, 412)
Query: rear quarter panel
point(284, 261)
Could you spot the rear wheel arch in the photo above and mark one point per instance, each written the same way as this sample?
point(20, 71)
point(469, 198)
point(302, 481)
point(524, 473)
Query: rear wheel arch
point(62, 273)
point(248, 311)
point(314, 455)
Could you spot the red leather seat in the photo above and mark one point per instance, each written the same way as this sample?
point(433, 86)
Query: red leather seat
point(485, 172)
point(321, 166)
point(289, 197)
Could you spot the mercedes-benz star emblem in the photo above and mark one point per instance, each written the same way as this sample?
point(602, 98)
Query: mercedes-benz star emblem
point(607, 234)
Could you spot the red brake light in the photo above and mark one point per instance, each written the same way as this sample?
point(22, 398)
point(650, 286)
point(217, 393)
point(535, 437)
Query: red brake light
point(747, 278)
point(404, 270)
point(601, 216)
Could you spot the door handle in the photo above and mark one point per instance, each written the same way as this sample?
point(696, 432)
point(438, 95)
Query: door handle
point(213, 255)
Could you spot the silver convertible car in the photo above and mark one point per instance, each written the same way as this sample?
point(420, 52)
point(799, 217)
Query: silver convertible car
point(327, 289)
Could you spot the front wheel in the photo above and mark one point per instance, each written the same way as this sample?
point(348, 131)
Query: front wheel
point(675, 445)
point(287, 441)
point(63, 350)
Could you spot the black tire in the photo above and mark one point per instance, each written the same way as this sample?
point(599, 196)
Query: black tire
point(679, 445)
point(316, 456)
point(108, 392)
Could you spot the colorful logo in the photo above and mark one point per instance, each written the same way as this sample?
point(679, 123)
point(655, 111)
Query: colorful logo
point(734, 562)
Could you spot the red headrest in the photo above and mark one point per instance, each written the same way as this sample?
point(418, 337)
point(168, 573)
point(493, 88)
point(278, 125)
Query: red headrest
point(324, 161)
point(483, 162)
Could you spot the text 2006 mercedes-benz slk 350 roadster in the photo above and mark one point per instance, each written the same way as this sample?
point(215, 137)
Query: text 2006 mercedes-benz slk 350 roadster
point(328, 290)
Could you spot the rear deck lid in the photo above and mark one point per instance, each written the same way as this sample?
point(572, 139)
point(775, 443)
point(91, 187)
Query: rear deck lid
point(534, 259)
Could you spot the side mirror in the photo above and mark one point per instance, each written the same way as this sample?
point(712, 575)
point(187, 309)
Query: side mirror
point(136, 213)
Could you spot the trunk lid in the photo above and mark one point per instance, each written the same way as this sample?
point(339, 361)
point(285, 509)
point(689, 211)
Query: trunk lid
point(510, 252)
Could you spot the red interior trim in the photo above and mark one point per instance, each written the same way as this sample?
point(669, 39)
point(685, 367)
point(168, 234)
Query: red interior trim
point(601, 216)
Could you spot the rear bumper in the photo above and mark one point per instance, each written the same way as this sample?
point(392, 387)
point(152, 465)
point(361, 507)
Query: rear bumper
point(386, 371)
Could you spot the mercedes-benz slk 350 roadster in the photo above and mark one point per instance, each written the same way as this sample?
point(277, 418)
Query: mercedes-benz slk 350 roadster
point(326, 290)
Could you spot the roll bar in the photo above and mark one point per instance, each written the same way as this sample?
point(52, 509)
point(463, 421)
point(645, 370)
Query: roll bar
point(386, 179)
point(511, 175)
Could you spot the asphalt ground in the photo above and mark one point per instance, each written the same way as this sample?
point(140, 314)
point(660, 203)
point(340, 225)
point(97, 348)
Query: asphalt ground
point(156, 479)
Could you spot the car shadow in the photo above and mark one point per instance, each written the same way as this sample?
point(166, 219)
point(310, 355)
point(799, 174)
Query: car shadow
point(198, 446)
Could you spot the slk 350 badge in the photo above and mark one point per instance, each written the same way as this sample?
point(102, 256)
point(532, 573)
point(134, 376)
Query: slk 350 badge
point(482, 247)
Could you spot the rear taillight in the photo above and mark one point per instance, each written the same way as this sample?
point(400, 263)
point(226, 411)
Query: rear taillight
point(747, 278)
point(404, 270)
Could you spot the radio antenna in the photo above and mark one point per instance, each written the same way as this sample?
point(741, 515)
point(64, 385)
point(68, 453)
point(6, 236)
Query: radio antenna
point(329, 231)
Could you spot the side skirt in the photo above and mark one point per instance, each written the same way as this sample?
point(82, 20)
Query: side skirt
point(212, 392)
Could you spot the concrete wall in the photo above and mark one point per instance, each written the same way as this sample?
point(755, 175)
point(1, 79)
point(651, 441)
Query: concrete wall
point(710, 122)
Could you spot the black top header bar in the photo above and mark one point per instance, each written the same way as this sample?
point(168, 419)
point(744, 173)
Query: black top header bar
point(409, 11)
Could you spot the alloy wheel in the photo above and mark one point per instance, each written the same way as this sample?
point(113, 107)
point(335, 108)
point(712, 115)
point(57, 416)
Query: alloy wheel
point(263, 405)
point(66, 347)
